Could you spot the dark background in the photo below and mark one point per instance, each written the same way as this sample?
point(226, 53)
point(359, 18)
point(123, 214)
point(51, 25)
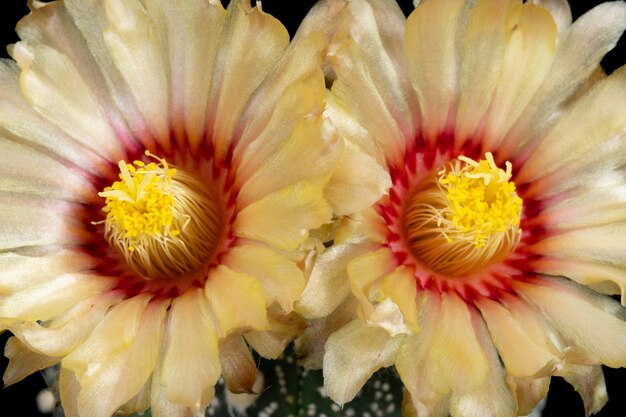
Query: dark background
point(562, 400)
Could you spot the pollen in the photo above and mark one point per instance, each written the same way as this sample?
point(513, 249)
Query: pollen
point(464, 218)
point(162, 220)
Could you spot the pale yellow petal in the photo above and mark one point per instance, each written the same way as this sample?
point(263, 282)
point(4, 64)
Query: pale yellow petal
point(582, 317)
point(283, 330)
point(236, 300)
point(238, 366)
point(430, 46)
point(528, 392)
point(110, 381)
point(521, 355)
point(137, 51)
point(353, 354)
point(19, 271)
point(364, 271)
point(400, 288)
point(364, 226)
point(56, 90)
point(588, 381)
point(483, 50)
point(281, 279)
point(54, 296)
point(580, 49)
point(560, 11)
point(191, 364)
point(284, 218)
point(23, 361)
point(308, 155)
point(327, 285)
point(357, 182)
point(595, 117)
point(60, 336)
point(529, 53)
point(252, 41)
point(191, 37)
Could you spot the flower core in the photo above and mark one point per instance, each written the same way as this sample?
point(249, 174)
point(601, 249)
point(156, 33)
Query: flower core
point(162, 220)
point(464, 218)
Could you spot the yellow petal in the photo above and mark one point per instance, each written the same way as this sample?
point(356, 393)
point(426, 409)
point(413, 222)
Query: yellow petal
point(353, 354)
point(528, 391)
point(281, 279)
point(23, 361)
point(357, 182)
point(520, 354)
point(364, 271)
point(430, 48)
point(251, 42)
point(328, 284)
point(283, 330)
point(228, 291)
point(238, 366)
point(308, 155)
point(110, 380)
point(588, 381)
point(581, 316)
point(560, 11)
point(400, 287)
point(137, 51)
point(284, 218)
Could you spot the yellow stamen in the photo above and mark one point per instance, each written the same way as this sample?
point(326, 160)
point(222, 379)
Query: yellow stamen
point(465, 218)
point(162, 220)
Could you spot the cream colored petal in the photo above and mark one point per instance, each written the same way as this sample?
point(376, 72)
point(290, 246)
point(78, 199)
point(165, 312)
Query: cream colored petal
point(236, 299)
point(358, 181)
point(191, 36)
point(160, 406)
point(483, 50)
point(364, 271)
point(492, 399)
point(24, 170)
point(521, 355)
point(430, 46)
point(353, 354)
point(582, 317)
point(600, 277)
point(595, 117)
point(528, 392)
point(238, 366)
point(54, 296)
point(281, 279)
point(588, 381)
point(295, 90)
point(110, 381)
point(328, 285)
point(560, 11)
point(308, 155)
point(23, 361)
point(139, 55)
point(580, 50)
point(400, 288)
point(54, 87)
point(26, 221)
point(69, 388)
point(191, 363)
point(310, 344)
point(31, 129)
point(252, 42)
point(60, 336)
point(20, 272)
point(283, 330)
point(602, 244)
point(364, 226)
point(284, 218)
point(140, 402)
point(529, 53)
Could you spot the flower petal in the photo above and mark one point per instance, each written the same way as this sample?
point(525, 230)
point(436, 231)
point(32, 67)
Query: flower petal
point(238, 366)
point(400, 288)
point(588, 381)
point(191, 364)
point(581, 317)
point(364, 271)
point(281, 279)
point(284, 218)
point(227, 291)
point(23, 361)
point(283, 330)
point(560, 11)
point(353, 354)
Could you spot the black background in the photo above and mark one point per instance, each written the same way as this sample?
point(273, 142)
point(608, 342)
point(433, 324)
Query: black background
point(562, 400)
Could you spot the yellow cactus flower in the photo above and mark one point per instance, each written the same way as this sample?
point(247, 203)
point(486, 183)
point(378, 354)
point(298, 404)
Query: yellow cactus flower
point(162, 163)
point(483, 267)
